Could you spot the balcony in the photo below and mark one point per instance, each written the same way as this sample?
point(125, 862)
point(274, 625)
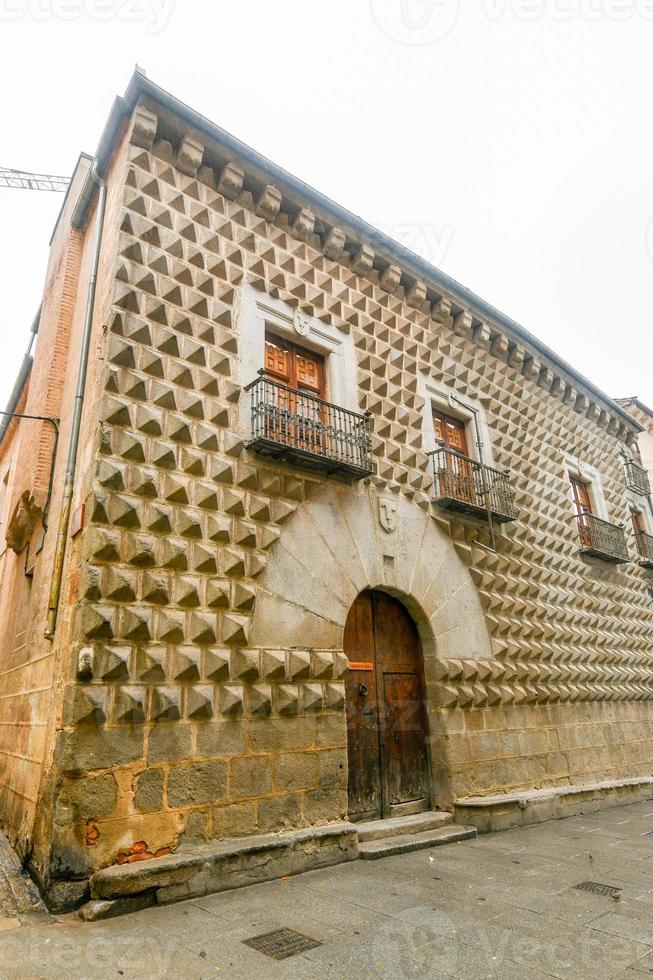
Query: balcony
point(295, 426)
point(600, 539)
point(645, 548)
point(637, 478)
point(464, 485)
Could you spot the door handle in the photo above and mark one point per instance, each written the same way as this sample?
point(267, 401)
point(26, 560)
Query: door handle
point(363, 690)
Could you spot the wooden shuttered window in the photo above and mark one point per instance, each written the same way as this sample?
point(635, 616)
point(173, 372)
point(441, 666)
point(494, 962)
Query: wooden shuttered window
point(299, 419)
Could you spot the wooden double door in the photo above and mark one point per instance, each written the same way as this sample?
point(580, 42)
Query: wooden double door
point(386, 714)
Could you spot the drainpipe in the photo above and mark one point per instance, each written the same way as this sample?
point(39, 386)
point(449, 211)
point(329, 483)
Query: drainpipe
point(67, 498)
point(479, 446)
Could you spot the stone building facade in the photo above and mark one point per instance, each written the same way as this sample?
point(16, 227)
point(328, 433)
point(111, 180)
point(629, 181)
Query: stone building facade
point(198, 686)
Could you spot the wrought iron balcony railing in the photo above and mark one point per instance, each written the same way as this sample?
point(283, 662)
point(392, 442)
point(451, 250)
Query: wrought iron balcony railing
point(637, 478)
point(645, 548)
point(600, 539)
point(463, 484)
point(306, 431)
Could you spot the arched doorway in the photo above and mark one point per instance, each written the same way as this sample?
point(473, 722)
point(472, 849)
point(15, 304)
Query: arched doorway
point(386, 716)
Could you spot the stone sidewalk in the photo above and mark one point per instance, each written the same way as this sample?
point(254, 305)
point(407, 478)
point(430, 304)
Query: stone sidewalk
point(501, 906)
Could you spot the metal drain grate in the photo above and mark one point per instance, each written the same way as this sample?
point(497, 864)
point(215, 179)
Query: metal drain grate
point(281, 943)
point(597, 889)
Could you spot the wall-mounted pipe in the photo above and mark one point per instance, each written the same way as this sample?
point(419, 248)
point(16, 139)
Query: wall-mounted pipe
point(71, 465)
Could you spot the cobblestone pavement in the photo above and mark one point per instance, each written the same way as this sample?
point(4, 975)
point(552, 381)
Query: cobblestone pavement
point(502, 906)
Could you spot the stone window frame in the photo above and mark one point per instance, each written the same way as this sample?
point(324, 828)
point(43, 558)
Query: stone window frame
point(578, 469)
point(440, 397)
point(261, 312)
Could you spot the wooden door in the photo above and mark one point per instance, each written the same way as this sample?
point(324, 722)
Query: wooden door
point(298, 418)
point(457, 478)
point(386, 716)
point(583, 505)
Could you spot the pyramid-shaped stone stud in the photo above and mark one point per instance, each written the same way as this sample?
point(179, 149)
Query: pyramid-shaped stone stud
point(243, 597)
point(218, 529)
point(165, 704)
point(91, 582)
point(120, 586)
point(185, 664)
point(244, 534)
point(136, 623)
point(88, 705)
point(189, 523)
point(273, 664)
point(139, 551)
point(202, 628)
point(206, 496)
point(322, 664)
point(112, 663)
point(199, 702)
point(150, 663)
point(234, 628)
point(299, 664)
point(187, 592)
point(170, 626)
point(286, 699)
point(245, 665)
point(130, 705)
point(216, 664)
point(175, 554)
point(155, 588)
point(233, 562)
point(204, 559)
point(98, 622)
point(143, 483)
point(111, 475)
point(102, 544)
point(312, 697)
point(230, 700)
point(217, 593)
point(334, 696)
point(260, 700)
point(340, 665)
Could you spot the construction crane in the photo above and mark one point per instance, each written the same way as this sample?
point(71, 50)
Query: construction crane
point(32, 182)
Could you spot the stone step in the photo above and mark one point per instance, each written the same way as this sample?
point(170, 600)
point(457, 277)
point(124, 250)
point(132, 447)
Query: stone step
point(416, 823)
point(374, 849)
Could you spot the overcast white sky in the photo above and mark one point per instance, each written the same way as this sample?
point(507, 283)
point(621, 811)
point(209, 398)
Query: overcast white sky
point(508, 141)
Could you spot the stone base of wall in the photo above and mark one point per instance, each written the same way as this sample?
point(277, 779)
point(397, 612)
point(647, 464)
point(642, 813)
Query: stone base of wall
point(504, 811)
point(519, 748)
point(218, 867)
